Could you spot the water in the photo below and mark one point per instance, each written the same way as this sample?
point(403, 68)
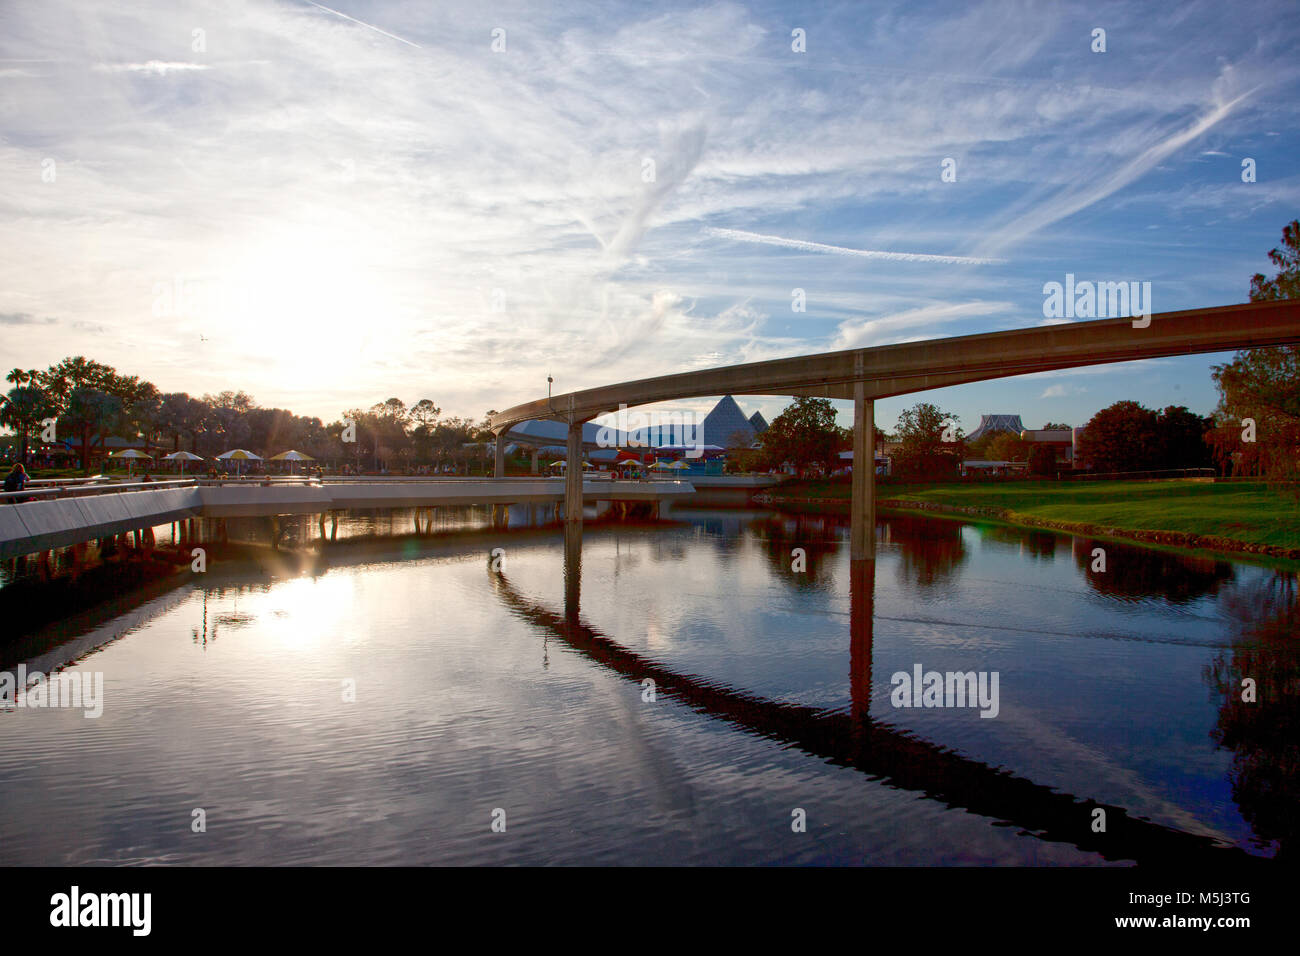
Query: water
point(387, 700)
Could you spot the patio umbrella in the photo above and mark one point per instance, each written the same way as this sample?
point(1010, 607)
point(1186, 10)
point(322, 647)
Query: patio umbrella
point(182, 457)
point(130, 454)
point(291, 456)
point(239, 454)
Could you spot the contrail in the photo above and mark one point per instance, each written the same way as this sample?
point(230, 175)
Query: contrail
point(741, 236)
point(369, 26)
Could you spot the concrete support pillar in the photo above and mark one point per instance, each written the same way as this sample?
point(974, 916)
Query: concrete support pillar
point(573, 477)
point(862, 523)
point(500, 471)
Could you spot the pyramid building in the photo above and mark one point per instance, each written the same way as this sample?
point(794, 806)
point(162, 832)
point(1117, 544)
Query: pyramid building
point(727, 427)
point(758, 423)
point(996, 423)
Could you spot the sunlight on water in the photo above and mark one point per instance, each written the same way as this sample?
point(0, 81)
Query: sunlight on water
point(381, 707)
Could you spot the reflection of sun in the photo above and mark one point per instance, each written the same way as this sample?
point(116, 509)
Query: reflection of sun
point(303, 301)
point(302, 609)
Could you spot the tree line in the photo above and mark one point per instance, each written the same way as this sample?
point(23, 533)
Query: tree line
point(90, 401)
point(1254, 430)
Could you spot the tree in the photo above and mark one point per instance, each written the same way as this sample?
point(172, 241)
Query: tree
point(1286, 284)
point(18, 377)
point(1042, 460)
point(923, 455)
point(62, 377)
point(1263, 385)
point(1007, 446)
point(23, 411)
point(178, 415)
point(1122, 437)
point(979, 448)
point(804, 434)
point(226, 419)
point(1181, 439)
point(1054, 426)
point(144, 415)
point(424, 413)
point(91, 414)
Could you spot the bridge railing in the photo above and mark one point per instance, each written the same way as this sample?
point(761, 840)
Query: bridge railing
point(86, 490)
point(50, 489)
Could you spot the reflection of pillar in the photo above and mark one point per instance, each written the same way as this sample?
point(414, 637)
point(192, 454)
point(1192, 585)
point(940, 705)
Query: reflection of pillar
point(572, 571)
point(862, 519)
point(573, 477)
point(500, 469)
point(862, 599)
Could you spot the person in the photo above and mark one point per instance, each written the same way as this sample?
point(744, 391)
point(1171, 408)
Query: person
point(146, 477)
point(16, 480)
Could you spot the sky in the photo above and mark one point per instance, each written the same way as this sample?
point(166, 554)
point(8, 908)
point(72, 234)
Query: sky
point(326, 206)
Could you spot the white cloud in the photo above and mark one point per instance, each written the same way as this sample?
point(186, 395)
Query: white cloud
point(428, 217)
point(1061, 391)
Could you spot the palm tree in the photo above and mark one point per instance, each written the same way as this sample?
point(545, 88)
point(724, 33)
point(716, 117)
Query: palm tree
point(23, 411)
point(18, 376)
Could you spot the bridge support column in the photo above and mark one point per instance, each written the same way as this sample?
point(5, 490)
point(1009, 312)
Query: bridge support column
point(862, 517)
point(534, 461)
point(573, 477)
point(500, 471)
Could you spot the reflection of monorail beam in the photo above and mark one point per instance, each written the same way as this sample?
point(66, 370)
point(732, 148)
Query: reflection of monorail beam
point(895, 757)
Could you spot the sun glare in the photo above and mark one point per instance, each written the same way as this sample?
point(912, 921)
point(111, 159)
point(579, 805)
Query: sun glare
point(304, 301)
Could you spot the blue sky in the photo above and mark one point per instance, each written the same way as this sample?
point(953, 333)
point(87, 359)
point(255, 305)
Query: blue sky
point(328, 206)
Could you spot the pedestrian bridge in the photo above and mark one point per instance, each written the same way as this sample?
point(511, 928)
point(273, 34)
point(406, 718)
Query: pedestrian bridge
point(68, 513)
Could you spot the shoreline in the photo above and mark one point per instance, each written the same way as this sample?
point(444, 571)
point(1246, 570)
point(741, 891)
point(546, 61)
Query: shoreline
point(1181, 540)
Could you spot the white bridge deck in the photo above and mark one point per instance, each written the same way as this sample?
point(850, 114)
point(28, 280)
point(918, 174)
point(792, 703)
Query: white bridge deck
point(67, 513)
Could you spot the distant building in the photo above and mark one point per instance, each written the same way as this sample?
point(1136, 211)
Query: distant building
point(727, 426)
point(758, 423)
point(996, 423)
point(1060, 440)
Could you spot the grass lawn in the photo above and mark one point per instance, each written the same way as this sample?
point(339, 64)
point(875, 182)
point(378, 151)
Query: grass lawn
point(1244, 511)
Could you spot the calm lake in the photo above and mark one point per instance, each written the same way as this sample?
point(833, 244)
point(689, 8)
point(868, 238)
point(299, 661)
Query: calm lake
point(677, 693)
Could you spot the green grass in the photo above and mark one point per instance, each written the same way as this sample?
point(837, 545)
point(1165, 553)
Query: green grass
point(1242, 511)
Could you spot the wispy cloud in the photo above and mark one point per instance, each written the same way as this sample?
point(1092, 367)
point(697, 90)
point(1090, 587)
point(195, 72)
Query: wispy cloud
point(1076, 198)
point(805, 246)
point(23, 318)
point(368, 26)
point(357, 201)
point(157, 67)
point(1061, 391)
